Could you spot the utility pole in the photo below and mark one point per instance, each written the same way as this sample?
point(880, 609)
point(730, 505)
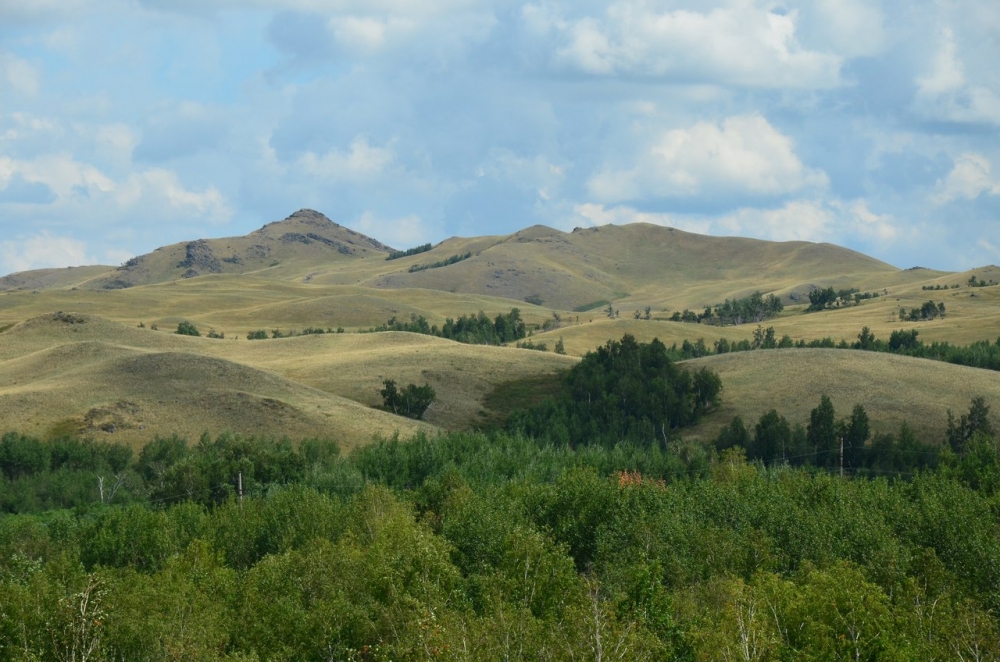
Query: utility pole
point(841, 456)
point(239, 480)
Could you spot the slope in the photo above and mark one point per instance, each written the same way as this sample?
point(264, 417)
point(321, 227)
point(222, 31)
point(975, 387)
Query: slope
point(892, 388)
point(303, 239)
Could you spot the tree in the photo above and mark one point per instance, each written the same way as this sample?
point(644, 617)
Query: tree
point(977, 420)
point(772, 438)
point(187, 329)
point(411, 402)
point(560, 347)
point(866, 340)
point(856, 433)
point(822, 433)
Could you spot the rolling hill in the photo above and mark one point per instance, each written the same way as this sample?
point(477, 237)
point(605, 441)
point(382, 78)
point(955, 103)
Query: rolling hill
point(113, 376)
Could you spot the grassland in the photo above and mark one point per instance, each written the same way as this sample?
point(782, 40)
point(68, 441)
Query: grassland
point(108, 373)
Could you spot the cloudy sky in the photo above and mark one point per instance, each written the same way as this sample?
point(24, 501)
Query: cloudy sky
point(129, 124)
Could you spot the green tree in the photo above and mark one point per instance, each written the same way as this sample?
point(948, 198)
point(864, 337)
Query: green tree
point(772, 439)
point(187, 329)
point(976, 421)
point(822, 433)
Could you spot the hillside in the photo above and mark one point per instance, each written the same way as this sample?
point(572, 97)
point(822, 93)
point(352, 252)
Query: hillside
point(307, 272)
point(636, 264)
point(83, 374)
point(892, 388)
point(304, 238)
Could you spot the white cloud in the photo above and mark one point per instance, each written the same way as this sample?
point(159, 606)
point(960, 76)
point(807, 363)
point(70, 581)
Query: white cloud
point(852, 28)
point(743, 45)
point(158, 188)
point(592, 214)
point(360, 161)
point(537, 173)
point(154, 192)
point(42, 251)
point(945, 92)
point(796, 220)
point(970, 177)
point(60, 172)
point(743, 155)
point(397, 232)
point(18, 75)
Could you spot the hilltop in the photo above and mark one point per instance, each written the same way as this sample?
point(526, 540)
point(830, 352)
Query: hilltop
point(115, 377)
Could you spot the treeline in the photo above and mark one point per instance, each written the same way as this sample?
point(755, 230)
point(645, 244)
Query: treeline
point(261, 334)
point(471, 329)
point(848, 445)
point(440, 263)
point(476, 547)
point(928, 311)
point(981, 354)
point(416, 250)
point(822, 299)
point(755, 308)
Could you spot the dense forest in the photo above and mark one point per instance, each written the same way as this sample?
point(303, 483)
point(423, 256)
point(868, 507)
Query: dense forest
point(503, 545)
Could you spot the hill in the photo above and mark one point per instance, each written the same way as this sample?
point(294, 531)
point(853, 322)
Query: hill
point(637, 264)
point(83, 374)
point(307, 272)
point(305, 238)
point(892, 388)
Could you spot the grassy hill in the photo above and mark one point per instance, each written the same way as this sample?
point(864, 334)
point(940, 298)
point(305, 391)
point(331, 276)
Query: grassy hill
point(83, 374)
point(891, 388)
point(307, 271)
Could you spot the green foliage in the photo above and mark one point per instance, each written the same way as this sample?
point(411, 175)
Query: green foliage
point(187, 329)
point(470, 329)
point(416, 250)
point(593, 305)
point(219, 335)
point(411, 402)
point(974, 281)
point(440, 263)
point(752, 309)
point(977, 421)
point(626, 390)
point(928, 311)
point(560, 348)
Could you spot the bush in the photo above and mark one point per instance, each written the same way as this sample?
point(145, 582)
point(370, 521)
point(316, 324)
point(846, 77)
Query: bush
point(411, 402)
point(259, 334)
point(187, 329)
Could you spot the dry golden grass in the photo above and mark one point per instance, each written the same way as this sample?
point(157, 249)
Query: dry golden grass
point(161, 384)
point(55, 374)
point(891, 388)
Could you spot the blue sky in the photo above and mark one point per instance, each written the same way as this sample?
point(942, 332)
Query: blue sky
point(130, 124)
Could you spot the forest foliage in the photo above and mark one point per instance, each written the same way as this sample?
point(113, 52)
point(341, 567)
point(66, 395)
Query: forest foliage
point(616, 539)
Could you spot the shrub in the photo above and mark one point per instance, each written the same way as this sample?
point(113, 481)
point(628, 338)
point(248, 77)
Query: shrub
point(187, 329)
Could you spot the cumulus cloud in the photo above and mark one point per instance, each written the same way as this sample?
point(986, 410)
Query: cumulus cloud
point(42, 251)
point(366, 29)
point(156, 188)
point(157, 191)
point(742, 44)
point(744, 155)
point(536, 173)
point(796, 220)
point(360, 161)
point(403, 232)
point(853, 28)
point(18, 75)
point(971, 177)
point(945, 93)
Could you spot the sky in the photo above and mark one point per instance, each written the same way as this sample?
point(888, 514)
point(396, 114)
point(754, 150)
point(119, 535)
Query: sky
point(130, 124)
